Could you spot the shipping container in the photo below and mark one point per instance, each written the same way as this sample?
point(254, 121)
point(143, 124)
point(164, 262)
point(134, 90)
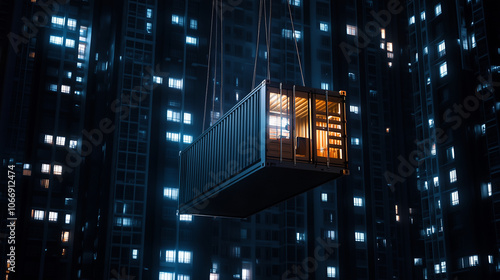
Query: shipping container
point(277, 142)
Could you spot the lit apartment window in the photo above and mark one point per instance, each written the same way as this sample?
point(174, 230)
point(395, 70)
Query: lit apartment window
point(473, 260)
point(490, 259)
point(417, 261)
point(183, 277)
point(331, 272)
point(65, 236)
point(354, 109)
point(65, 89)
point(359, 236)
point(171, 193)
point(57, 169)
point(48, 139)
point(60, 140)
point(149, 13)
point(166, 276)
point(44, 183)
point(439, 203)
point(390, 55)
point(67, 219)
point(81, 50)
point(294, 2)
point(135, 254)
point(443, 70)
point(473, 40)
point(177, 20)
point(325, 86)
point(454, 198)
point(191, 40)
point(426, 50)
point(287, 33)
point(355, 141)
point(441, 48)
point(57, 22)
point(352, 76)
point(193, 24)
point(437, 269)
point(300, 236)
point(358, 201)
point(436, 181)
point(172, 136)
point(69, 75)
point(437, 9)
point(173, 116)
point(175, 83)
point(245, 274)
point(330, 234)
point(351, 30)
point(53, 216)
point(157, 80)
point(389, 46)
point(185, 257)
point(149, 27)
point(422, 16)
point(453, 176)
point(63, 252)
point(185, 218)
point(70, 43)
point(450, 153)
point(382, 33)
point(187, 139)
point(56, 40)
point(37, 214)
point(53, 87)
point(79, 65)
point(73, 144)
point(490, 190)
point(411, 20)
point(45, 168)
point(323, 26)
point(187, 118)
point(443, 267)
point(77, 92)
point(83, 33)
point(324, 197)
point(71, 24)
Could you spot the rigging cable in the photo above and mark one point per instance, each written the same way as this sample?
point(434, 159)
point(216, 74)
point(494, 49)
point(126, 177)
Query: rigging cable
point(212, 114)
point(257, 46)
point(221, 63)
point(296, 46)
point(208, 66)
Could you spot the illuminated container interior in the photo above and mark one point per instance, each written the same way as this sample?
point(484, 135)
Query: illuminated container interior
point(278, 142)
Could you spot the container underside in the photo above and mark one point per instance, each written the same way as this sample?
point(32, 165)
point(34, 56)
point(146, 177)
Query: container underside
point(259, 190)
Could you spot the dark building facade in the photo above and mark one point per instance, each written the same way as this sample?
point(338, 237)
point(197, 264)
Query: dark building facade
point(454, 58)
point(99, 99)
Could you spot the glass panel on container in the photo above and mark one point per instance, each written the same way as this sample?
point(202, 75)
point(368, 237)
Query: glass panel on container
point(302, 124)
point(321, 149)
point(279, 110)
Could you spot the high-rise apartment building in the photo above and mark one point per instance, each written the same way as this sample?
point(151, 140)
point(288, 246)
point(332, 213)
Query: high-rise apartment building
point(454, 67)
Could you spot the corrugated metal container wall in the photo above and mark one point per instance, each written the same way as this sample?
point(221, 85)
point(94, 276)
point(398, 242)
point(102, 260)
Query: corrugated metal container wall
point(223, 151)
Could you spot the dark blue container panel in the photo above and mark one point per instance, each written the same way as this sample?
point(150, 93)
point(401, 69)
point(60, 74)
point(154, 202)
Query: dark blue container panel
point(230, 149)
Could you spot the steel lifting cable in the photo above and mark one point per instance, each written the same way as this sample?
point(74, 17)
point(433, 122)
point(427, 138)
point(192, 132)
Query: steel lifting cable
point(221, 63)
point(269, 42)
point(257, 46)
point(208, 66)
point(267, 38)
point(215, 72)
point(296, 46)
